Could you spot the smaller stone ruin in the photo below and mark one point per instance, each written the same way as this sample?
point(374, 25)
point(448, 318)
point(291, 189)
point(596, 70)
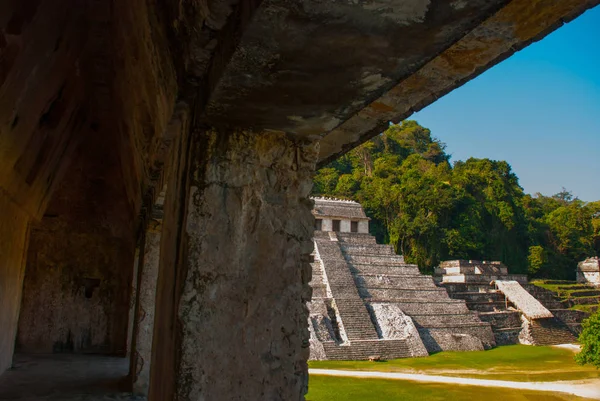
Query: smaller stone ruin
point(588, 271)
point(475, 271)
point(504, 300)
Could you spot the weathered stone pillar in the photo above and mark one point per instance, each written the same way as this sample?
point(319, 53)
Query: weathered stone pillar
point(144, 311)
point(231, 319)
point(13, 249)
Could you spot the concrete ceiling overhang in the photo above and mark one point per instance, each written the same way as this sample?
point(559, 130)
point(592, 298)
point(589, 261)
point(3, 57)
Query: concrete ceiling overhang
point(341, 70)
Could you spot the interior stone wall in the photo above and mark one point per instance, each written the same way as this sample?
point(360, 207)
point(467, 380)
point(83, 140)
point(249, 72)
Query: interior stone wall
point(13, 245)
point(75, 291)
point(237, 297)
point(80, 259)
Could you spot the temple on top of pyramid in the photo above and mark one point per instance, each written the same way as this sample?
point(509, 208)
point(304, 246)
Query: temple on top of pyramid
point(344, 216)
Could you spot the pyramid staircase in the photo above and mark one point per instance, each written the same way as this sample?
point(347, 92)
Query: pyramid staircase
point(381, 276)
point(355, 320)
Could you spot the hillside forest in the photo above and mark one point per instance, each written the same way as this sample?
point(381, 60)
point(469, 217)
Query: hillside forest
point(432, 210)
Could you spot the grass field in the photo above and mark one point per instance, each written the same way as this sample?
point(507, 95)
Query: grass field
point(325, 388)
point(512, 362)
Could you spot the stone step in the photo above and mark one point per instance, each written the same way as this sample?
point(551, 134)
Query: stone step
point(550, 332)
point(373, 249)
point(482, 278)
point(410, 306)
point(362, 350)
point(390, 260)
point(356, 319)
point(580, 301)
point(585, 293)
point(455, 320)
point(575, 287)
point(374, 269)
point(501, 320)
point(466, 287)
point(473, 269)
point(403, 293)
point(507, 336)
point(492, 296)
point(386, 281)
point(570, 315)
point(356, 238)
point(340, 290)
point(487, 306)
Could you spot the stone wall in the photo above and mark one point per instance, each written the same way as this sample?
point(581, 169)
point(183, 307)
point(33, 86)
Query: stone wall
point(238, 303)
point(75, 292)
point(363, 226)
point(588, 271)
point(457, 339)
point(317, 351)
point(392, 323)
point(589, 277)
point(327, 225)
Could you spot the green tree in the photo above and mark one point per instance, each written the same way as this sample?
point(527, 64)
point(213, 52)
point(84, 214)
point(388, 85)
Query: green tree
point(325, 181)
point(571, 230)
point(410, 138)
point(425, 201)
point(594, 211)
point(537, 258)
point(431, 211)
point(491, 212)
point(590, 341)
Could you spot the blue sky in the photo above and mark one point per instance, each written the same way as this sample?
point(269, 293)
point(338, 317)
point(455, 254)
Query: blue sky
point(539, 110)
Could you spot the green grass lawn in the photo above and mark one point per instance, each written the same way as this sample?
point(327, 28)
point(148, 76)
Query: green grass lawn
point(511, 362)
point(326, 388)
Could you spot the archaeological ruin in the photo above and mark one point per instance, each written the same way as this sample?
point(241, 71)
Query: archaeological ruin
point(519, 312)
point(367, 302)
point(588, 271)
point(156, 164)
